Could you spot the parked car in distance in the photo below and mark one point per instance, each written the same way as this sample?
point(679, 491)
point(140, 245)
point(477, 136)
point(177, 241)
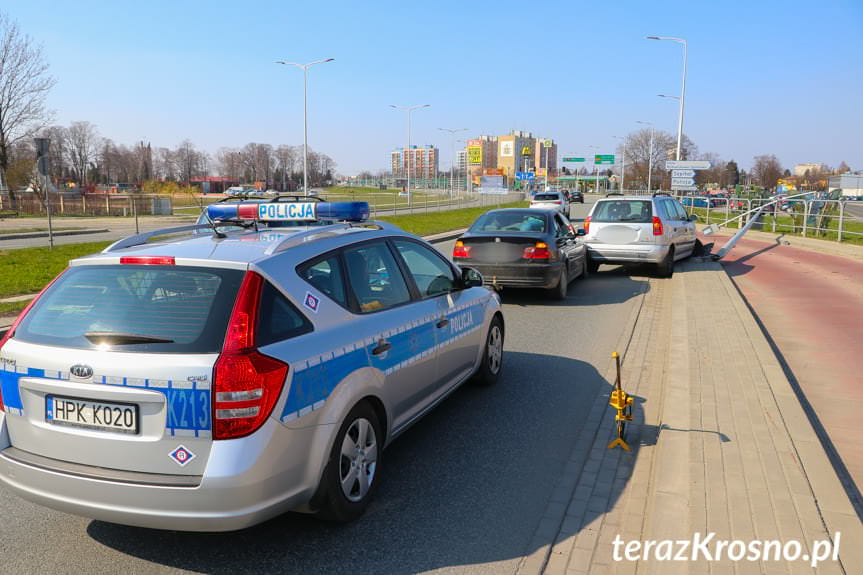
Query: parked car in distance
point(576, 196)
point(550, 201)
point(691, 202)
point(632, 229)
point(517, 247)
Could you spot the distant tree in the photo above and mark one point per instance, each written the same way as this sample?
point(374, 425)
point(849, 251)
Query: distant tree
point(732, 173)
point(24, 85)
point(639, 158)
point(766, 170)
point(842, 168)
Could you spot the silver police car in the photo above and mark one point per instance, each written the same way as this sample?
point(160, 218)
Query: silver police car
point(210, 382)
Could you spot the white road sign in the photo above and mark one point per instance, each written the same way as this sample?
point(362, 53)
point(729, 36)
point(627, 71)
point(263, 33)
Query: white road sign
point(685, 188)
point(687, 164)
point(682, 173)
point(682, 182)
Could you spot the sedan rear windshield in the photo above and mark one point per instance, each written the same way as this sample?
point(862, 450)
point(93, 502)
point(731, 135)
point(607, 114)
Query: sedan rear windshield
point(130, 308)
point(510, 222)
point(636, 211)
point(546, 197)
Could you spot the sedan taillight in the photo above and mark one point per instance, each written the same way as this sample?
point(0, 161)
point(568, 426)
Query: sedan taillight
point(460, 250)
point(539, 251)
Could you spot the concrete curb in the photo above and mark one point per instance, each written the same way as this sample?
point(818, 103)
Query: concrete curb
point(29, 235)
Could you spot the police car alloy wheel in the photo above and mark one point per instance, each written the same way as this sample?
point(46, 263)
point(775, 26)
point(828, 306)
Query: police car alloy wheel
point(492, 358)
point(354, 466)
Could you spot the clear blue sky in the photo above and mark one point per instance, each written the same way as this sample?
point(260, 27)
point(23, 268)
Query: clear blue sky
point(783, 77)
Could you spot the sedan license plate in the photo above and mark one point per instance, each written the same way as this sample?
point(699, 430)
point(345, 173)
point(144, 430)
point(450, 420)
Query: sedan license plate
point(87, 414)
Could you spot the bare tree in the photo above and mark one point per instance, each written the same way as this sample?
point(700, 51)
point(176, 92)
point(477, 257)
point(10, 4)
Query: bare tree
point(24, 85)
point(83, 143)
point(766, 170)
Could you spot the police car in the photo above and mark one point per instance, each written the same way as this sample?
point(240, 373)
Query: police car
point(210, 381)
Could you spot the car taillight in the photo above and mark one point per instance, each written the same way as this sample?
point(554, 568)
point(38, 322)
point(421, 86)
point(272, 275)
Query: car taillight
point(587, 225)
point(539, 251)
point(11, 331)
point(246, 383)
point(657, 226)
point(460, 250)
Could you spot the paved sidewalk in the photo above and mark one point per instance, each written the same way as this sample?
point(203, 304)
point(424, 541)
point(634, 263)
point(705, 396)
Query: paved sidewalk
point(720, 444)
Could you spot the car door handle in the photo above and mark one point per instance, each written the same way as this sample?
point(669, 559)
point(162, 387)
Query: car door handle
point(442, 322)
point(383, 346)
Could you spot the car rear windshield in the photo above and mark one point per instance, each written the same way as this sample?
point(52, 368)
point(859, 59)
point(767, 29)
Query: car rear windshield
point(131, 308)
point(510, 222)
point(540, 197)
point(636, 211)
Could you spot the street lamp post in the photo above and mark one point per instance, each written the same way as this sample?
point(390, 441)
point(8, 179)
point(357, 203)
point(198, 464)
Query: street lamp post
point(409, 109)
point(682, 88)
point(622, 163)
point(595, 170)
point(305, 69)
point(452, 133)
point(649, 153)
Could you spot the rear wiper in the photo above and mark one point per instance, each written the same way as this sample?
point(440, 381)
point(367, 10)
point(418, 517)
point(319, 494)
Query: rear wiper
point(119, 338)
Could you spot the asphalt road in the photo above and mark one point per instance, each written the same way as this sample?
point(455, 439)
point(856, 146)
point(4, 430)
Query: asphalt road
point(461, 492)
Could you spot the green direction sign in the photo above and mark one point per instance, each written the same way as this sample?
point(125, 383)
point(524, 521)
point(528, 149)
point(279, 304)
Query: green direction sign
point(604, 159)
point(573, 159)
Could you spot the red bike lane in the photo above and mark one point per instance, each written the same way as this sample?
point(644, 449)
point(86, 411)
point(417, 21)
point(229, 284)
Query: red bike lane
point(811, 305)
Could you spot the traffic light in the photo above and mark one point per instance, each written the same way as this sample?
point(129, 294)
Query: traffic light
point(42, 145)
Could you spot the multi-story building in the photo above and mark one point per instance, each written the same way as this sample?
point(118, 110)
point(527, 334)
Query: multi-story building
point(424, 162)
point(540, 155)
point(516, 152)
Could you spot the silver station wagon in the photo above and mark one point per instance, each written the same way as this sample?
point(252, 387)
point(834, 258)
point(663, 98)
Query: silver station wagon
point(209, 382)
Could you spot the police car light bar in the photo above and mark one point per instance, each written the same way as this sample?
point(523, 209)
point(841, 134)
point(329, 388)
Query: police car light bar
point(290, 211)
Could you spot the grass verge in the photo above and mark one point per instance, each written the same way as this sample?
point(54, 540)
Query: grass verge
point(27, 270)
point(437, 222)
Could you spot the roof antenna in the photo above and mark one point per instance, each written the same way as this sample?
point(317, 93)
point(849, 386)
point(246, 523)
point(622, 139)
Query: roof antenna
point(216, 231)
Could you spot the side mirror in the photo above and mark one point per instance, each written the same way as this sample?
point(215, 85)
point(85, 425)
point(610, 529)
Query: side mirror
point(580, 232)
point(470, 278)
point(692, 218)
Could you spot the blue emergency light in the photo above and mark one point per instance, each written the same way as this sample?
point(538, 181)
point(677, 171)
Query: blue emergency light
point(290, 211)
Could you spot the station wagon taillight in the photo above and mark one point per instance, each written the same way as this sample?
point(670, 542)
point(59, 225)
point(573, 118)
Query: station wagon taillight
point(538, 251)
point(460, 250)
point(657, 226)
point(11, 331)
point(246, 383)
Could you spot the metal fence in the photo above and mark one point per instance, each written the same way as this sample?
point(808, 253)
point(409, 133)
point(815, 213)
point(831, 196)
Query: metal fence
point(838, 220)
point(28, 203)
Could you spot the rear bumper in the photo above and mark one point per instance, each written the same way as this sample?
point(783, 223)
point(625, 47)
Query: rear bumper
point(517, 274)
point(610, 253)
point(247, 481)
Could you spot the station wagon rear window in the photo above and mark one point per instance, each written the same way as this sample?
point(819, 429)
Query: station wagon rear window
point(546, 197)
point(634, 211)
point(132, 308)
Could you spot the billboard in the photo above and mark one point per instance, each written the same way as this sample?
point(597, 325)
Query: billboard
point(492, 171)
point(507, 148)
point(474, 155)
point(492, 185)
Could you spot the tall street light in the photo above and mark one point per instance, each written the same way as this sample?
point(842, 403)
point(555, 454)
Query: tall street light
point(595, 170)
point(649, 153)
point(622, 163)
point(305, 69)
point(408, 151)
point(452, 133)
point(682, 88)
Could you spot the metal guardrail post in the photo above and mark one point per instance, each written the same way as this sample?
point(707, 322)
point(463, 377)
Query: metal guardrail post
point(748, 216)
point(805, 216)
point(841, 217)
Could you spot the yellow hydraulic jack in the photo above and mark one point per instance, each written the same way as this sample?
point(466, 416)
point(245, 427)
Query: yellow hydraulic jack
point(622, 402)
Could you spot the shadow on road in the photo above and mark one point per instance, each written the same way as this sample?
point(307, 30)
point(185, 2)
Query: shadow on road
point(466, 486)
point(616, 285)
